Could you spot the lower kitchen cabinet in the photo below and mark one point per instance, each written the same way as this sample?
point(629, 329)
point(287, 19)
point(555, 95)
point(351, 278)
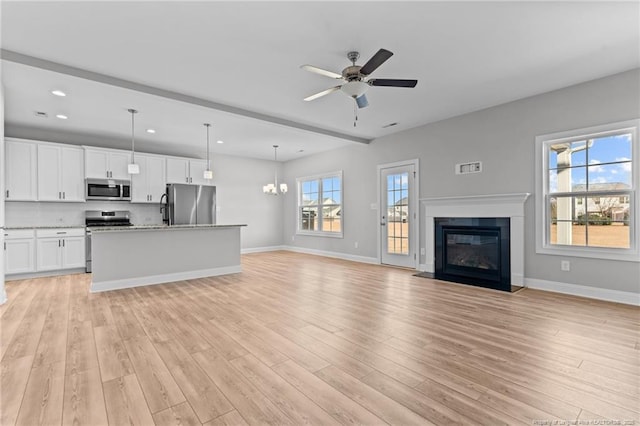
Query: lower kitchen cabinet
point(60, 249)
point(19, 251)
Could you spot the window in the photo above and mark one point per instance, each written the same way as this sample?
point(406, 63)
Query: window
point(320, 205)
point(587, 181)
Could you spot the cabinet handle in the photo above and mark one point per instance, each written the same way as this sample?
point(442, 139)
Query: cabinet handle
point(61, 233)
point(187, 179)
point(64, 195)
point(62, 243)
point(150, 197)
point(5, 245)
point(59, 195)
point(58, 243)
point(7, 193)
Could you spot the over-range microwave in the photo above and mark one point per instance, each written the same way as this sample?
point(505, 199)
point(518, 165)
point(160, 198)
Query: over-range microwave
point(108, 190)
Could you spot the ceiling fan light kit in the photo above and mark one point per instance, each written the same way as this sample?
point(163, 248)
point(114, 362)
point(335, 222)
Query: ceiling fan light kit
point(356, 79)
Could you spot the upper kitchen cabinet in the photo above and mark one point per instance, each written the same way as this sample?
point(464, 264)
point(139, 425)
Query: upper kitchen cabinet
point(149, 185)
point(106, 163)
point(21, 170)
point(184, 170)
point(60, 173)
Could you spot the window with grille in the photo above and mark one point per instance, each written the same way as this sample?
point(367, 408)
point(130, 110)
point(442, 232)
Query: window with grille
point(588, 181)
point(320, 205)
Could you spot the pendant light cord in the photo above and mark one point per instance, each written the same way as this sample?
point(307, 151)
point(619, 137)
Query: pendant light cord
point(207, 125)
point(133, 140)
point(275, 150)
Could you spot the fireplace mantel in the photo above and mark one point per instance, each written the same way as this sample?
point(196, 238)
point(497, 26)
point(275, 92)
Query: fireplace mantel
point(493, 205)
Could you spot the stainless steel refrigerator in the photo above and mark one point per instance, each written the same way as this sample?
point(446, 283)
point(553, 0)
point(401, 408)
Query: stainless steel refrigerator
point(191, 204)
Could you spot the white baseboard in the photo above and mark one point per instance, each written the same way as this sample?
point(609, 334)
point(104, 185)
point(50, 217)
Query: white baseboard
point(161, 279)
point(262, 249)
point(422, 267)
point(3, 297)
point(42, 274)
point(618, 296)
point(335, 255)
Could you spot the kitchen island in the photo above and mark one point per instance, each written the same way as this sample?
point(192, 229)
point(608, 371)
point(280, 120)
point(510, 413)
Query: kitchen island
point(125, 257)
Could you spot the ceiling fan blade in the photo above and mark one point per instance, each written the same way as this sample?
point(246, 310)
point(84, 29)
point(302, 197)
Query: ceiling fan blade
point(320, 71)
point(389, 82)
point(376, 60)
point(362, 101)
point(323, 93)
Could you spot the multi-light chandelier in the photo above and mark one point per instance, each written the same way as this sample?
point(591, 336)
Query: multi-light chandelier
point(273, 188)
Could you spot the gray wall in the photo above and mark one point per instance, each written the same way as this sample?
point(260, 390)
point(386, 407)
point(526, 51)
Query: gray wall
point(502, 138)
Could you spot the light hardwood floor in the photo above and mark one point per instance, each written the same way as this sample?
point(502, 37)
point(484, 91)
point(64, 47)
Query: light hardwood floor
point(298, 339)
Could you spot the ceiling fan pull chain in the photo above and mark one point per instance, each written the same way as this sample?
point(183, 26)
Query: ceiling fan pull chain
point(355, 112)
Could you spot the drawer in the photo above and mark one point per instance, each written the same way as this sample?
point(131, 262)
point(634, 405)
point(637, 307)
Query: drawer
point(16, 234)
point(60, 232)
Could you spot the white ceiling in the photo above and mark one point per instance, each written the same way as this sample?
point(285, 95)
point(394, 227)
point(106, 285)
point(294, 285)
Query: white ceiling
point(246, 55)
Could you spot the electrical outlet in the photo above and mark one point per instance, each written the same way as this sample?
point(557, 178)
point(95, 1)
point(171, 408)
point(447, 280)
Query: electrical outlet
point(355, 244)
point(565, 265)
point(423, 251)
point(293, 238)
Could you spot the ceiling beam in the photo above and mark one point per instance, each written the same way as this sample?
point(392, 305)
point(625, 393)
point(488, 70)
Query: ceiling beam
point(32, 61)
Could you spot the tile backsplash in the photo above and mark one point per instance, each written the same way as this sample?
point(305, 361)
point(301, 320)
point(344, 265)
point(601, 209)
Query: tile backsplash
point(70, 214)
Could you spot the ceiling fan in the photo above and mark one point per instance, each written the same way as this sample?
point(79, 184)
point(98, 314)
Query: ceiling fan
point(356, 78)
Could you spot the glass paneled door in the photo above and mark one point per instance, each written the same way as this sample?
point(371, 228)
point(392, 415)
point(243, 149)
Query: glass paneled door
point(397, 216)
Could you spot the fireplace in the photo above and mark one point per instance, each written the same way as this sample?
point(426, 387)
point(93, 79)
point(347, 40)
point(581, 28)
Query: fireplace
point(473, 251)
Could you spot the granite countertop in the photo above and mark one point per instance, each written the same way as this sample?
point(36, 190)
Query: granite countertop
point(15, 228)
point(158, 227)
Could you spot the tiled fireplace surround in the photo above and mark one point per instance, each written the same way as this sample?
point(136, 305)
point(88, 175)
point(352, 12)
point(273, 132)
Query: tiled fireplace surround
point(497, 205)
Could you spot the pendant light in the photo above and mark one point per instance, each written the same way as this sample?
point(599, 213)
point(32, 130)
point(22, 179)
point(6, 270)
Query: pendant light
point(133, 168)
point(272, 188)
point(208, 174)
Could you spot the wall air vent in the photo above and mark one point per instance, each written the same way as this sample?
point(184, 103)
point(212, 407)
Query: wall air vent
point(41, 114)
point(466, 168)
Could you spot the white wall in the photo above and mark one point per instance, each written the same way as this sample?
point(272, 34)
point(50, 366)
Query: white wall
point(502, 138)
point(3, 294)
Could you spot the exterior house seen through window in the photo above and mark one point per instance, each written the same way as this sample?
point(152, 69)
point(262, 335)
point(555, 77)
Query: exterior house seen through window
point(320, 205)
point(589, 184)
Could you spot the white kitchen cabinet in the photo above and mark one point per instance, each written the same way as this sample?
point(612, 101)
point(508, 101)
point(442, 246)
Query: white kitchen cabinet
point(106, 163)
point(61, 248)
point(184, 170)
point(60, 173)
point(19, 251)
point(21, 171)
point(149, 185)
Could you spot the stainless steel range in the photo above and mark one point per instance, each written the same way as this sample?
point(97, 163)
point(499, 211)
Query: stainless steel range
point(99, 219)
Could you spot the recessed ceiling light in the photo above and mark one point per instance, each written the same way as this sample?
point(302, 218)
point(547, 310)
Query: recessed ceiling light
point(58, 93)
point(151, 131)
point(41, 114)
point(61, 116)
point(220, 142)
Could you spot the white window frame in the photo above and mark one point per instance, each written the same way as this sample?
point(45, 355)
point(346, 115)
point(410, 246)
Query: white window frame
point(543, 245)
point(299, 230)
